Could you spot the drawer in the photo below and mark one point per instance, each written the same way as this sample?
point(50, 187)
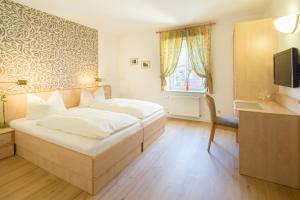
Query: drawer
point(5, 139)
point(6, 151)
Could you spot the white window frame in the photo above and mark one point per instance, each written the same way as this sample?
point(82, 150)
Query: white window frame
point(170, 80)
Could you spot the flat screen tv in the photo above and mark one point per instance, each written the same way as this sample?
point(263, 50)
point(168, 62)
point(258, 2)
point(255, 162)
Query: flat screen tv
point(286, 68)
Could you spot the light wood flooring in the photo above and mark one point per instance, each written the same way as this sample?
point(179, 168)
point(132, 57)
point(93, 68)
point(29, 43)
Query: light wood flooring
point(176, 167)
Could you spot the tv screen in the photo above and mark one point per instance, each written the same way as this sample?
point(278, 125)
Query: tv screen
point(286, 68)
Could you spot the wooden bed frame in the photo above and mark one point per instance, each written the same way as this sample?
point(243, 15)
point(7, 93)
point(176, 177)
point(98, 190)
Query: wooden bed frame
point(153, 131)
point(91, 174)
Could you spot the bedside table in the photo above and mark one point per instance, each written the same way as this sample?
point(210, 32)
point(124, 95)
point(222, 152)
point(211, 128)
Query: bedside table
point(6, 142)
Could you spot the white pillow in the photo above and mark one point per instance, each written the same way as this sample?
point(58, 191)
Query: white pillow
point(99, 95)
point(38, 108)
point(87, 98)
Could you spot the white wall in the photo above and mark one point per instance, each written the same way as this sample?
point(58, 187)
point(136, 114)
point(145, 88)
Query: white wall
point(281, 8)
point(108, 52)
point(145, 83)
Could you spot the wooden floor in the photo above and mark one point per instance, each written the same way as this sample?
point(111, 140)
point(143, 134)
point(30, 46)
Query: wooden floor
point(176, 167)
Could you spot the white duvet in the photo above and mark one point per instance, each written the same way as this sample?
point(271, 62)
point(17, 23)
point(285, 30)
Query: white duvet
point(136, 108)
point(88, 122)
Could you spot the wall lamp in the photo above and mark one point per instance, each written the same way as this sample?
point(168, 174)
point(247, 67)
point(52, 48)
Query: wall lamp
point(286, 24)
point(97, 79)
point(3, 98)
point(18, 82)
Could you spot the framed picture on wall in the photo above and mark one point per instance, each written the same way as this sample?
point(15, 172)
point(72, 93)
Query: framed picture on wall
point(145, 64)
point(134, 61)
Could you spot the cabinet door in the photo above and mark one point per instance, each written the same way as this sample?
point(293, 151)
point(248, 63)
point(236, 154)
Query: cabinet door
point(255, 42)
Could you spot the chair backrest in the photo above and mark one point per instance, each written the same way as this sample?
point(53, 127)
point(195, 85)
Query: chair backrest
point(212, 107)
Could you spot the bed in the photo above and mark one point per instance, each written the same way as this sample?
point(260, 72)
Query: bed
point(96, 163)
point(151, 115)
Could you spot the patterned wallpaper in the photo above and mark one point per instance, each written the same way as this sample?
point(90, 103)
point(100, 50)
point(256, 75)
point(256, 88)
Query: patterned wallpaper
point(48, 51)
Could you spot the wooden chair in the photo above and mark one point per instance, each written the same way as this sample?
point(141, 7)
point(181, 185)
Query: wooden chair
point(217, 120)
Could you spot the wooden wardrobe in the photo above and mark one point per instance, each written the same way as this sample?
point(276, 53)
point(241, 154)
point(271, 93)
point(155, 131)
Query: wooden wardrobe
point(255, 42)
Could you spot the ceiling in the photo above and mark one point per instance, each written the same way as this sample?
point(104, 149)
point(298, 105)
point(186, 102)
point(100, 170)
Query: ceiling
point(123, 16)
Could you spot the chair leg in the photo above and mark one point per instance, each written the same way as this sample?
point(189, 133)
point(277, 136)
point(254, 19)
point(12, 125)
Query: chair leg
point(211, 136)
point(237, 136)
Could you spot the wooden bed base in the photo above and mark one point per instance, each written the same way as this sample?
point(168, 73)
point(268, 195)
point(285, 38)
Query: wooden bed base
point(153, 131)
point(91, 174)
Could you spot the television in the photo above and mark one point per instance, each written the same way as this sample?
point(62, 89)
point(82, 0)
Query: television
point(286, 68)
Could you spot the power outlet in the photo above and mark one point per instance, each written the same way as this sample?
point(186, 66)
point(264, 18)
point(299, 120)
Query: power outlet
point(219, 112)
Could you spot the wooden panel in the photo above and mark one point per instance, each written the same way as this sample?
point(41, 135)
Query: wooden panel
point(113, 171)
point(154, 136)
point(57, 154)
point(6, 151)
point(6, 130)
point(16, 106)
point(71, 97)
point(152, 128)
point(269, 147)
point(105, 160)
point(79, 169)
point(5, 139)
point(255, 42)
point(67, 174)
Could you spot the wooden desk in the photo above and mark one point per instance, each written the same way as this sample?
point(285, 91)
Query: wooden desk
point(269, 143)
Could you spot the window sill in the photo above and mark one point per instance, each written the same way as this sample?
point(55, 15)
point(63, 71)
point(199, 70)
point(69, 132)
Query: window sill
point(185, 92)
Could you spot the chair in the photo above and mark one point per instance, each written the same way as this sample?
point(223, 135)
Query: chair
point(217, 120)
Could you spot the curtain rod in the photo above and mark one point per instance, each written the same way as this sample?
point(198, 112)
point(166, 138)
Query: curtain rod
point(187, 27)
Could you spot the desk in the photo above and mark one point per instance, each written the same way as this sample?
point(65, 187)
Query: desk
point(269, 142)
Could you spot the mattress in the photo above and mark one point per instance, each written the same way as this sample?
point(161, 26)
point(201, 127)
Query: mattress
point(148, 120)
point(155, 116)
point(84, 145)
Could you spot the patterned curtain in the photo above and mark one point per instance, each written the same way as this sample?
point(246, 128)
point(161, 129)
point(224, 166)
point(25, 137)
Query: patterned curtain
point(199, 50)
point(170, 44)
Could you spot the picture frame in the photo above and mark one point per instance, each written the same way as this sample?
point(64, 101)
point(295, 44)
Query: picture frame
point(146, 64)
point(134, 61)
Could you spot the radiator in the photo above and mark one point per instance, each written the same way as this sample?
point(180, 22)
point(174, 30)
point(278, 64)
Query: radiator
point(186, 106)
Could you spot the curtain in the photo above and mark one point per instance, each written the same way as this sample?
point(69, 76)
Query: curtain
point(199, 50)
point(170, 43)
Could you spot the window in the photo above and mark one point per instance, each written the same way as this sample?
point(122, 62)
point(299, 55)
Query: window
point(184, 78)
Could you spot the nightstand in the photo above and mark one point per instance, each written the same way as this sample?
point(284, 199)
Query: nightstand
point(6, 142)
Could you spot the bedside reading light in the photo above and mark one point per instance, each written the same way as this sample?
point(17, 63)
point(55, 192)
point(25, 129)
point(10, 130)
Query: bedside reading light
point(286, 24)
point(3, 97)
point(18, 82)
point(21, 82)
point(97, 79)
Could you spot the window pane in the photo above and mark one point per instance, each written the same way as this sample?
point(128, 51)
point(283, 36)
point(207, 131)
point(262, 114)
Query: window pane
point(184, 73)
point(195, 82)
point(179, 77)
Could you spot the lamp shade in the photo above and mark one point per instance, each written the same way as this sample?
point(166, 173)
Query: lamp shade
point(286, 24)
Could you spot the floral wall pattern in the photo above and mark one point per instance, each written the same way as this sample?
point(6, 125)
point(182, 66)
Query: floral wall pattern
point(48, 51)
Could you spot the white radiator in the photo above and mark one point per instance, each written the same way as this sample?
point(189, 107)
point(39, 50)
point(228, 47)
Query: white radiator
point(186, 106)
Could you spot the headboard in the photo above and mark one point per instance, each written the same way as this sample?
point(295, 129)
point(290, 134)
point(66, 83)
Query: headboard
point(15, 107)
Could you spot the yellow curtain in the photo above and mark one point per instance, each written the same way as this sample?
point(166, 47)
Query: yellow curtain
point(170, 46)
point(199, 50)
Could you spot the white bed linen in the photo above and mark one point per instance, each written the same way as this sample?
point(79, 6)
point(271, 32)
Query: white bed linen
point(145, 122)
point(84, 145)
point(133, 107)
point(88, 122)
point(153, 117)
